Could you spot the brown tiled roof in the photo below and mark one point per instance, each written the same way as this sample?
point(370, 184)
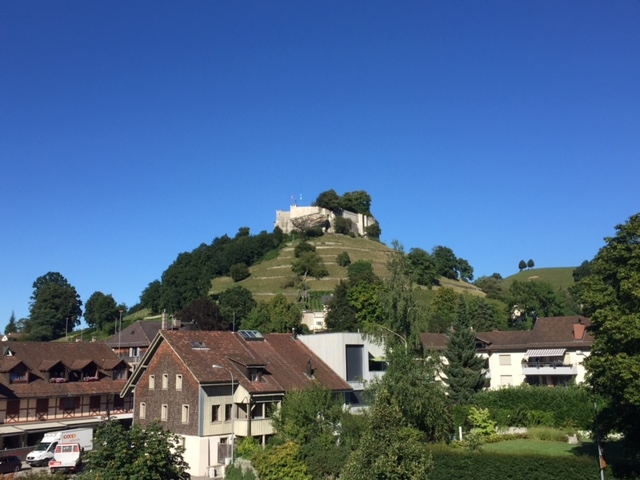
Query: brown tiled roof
point(138, 334)
point(284, 357)
point(7, 363)
point(39, 357)
point(548, 332)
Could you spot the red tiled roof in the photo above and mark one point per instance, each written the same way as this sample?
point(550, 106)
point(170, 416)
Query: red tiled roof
point(138, 334)
point(285, 360)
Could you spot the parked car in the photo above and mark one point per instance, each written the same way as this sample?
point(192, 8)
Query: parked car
point(10, 463)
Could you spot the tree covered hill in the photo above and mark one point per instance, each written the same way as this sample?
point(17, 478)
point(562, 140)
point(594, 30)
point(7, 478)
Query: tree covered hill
point(274, 275)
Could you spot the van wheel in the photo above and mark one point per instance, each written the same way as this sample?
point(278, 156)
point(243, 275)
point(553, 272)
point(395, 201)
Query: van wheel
point(18, 468)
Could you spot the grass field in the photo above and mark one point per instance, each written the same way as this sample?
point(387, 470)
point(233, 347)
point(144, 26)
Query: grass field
point(561, 277)
point(531, 446)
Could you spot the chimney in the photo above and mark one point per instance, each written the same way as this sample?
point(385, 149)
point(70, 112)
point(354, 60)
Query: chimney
point(175, 323)
point(578, 330)
point(294, 335)
point(309, 371)
point(164, 320)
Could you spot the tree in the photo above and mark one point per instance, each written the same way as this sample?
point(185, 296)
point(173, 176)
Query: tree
point(55, 308)
point(341, 316)
point(303, 247)
point(150, 453)
point(361, 271)
point(465, 270)
point(388, 449)
point(204, 314)
point(463, 368)
point(309, 263)
point(487, 314)
point(358, 201)
point(492, 286)
point(530, 264)
point(373, 231)
point(307, 414)
point(442, 310)
point(522, 265)
point(422, 267)
point(611, 293)
point(151, 296)
point(411, 381)
point(329, 200)
point(236, 303)
point(11, 326)
point(343, 259)
point(445, 261)
point(276, 316)
point(279, 462)
point(537, 299)
point(342, 225)
point(239, 272)
point(100, 310)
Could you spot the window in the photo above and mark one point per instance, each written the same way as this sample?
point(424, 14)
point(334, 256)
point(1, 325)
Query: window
point(228, 412)
point(118, 402)
point(185, 413)
point(120, 373)
point(257, 411)
point(354, 362)
point(178, 382)
point(165, 381)
point(215, 413)
point(134, 351)
point(69, 403)
point(94, 403)
point(152, 382)
point(18, 375)
point(13, 407)
point(42, 406)
point(143, 410)
point(505, 359)
point(164, 412)
point(506, 380)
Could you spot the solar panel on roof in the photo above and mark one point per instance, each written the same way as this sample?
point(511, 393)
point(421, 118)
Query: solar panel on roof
point(251, 335)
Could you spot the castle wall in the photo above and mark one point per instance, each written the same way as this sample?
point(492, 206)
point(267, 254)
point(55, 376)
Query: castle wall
point(283, 218)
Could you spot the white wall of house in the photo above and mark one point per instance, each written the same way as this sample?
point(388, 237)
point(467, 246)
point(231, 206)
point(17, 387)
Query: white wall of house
point(332, 349)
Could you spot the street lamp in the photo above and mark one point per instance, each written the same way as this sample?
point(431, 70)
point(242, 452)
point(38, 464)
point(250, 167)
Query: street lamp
point(233, 432)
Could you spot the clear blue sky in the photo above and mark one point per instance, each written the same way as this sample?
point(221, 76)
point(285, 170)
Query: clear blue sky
point(133, 131)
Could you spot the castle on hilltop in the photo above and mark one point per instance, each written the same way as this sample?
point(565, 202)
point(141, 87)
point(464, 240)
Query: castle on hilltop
point(300, 218)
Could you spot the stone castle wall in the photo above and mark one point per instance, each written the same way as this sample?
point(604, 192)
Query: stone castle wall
point(283, 218)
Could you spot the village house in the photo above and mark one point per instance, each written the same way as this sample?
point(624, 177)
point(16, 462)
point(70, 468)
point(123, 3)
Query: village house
point(213, 387)
point(48, 386)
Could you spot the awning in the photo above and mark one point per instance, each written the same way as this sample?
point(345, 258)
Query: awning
point(34, 427)
point(9, 430)
point(545, 352)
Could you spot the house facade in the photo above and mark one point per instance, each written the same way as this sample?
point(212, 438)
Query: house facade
point(212, 387)
point(48, 386)
point(551, 354)
point(357, 360)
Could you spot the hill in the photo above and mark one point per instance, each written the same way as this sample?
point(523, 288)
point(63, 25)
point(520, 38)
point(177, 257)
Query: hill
point(271, 276)
point(560, 277)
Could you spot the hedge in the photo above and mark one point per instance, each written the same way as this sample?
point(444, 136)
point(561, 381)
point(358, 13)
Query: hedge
point(449, 463)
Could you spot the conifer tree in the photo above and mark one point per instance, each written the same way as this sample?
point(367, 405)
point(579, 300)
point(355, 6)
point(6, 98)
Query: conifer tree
point(464, 367)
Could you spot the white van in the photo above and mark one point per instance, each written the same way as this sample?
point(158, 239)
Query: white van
point(44, 450)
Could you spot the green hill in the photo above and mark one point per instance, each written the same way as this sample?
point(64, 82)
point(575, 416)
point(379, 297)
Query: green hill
point(271, 276)
point(560, 277)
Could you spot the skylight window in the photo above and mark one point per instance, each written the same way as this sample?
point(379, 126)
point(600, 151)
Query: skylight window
point(198, 346)
point(251, 335)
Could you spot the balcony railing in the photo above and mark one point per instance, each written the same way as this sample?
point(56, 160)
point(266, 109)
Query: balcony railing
point(549, 368)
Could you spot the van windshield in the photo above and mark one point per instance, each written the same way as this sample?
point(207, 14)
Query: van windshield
point(42, 446)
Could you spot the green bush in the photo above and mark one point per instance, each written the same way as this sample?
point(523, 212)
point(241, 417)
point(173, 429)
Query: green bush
point(451, 463)
point(343, 259)
point(547, 434)
point(528, 406)
point(239, 272)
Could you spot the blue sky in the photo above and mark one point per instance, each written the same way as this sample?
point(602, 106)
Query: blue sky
point(133, 131)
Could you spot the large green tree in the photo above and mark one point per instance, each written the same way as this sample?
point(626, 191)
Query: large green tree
point(341, 316)
point(446, 262)
point(150, 453)
point(55, 308)
point(151, 297)
point(11, 326)
point(611, 294)
point(389, 449)
point(275, 316)
point(463, 368)
point(536, 299)
point(100, 310)
point(422, 266)
point(236, 303)
point(204, 314)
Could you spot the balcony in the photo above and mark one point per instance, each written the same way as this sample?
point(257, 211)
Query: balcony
point(549, 368)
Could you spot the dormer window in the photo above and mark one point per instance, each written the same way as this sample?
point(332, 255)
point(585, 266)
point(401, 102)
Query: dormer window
point(19, 374)
point(255, 374)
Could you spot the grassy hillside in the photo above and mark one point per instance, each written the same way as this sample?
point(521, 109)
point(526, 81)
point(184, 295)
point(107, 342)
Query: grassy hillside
point(270, 276)
point(558, 277)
